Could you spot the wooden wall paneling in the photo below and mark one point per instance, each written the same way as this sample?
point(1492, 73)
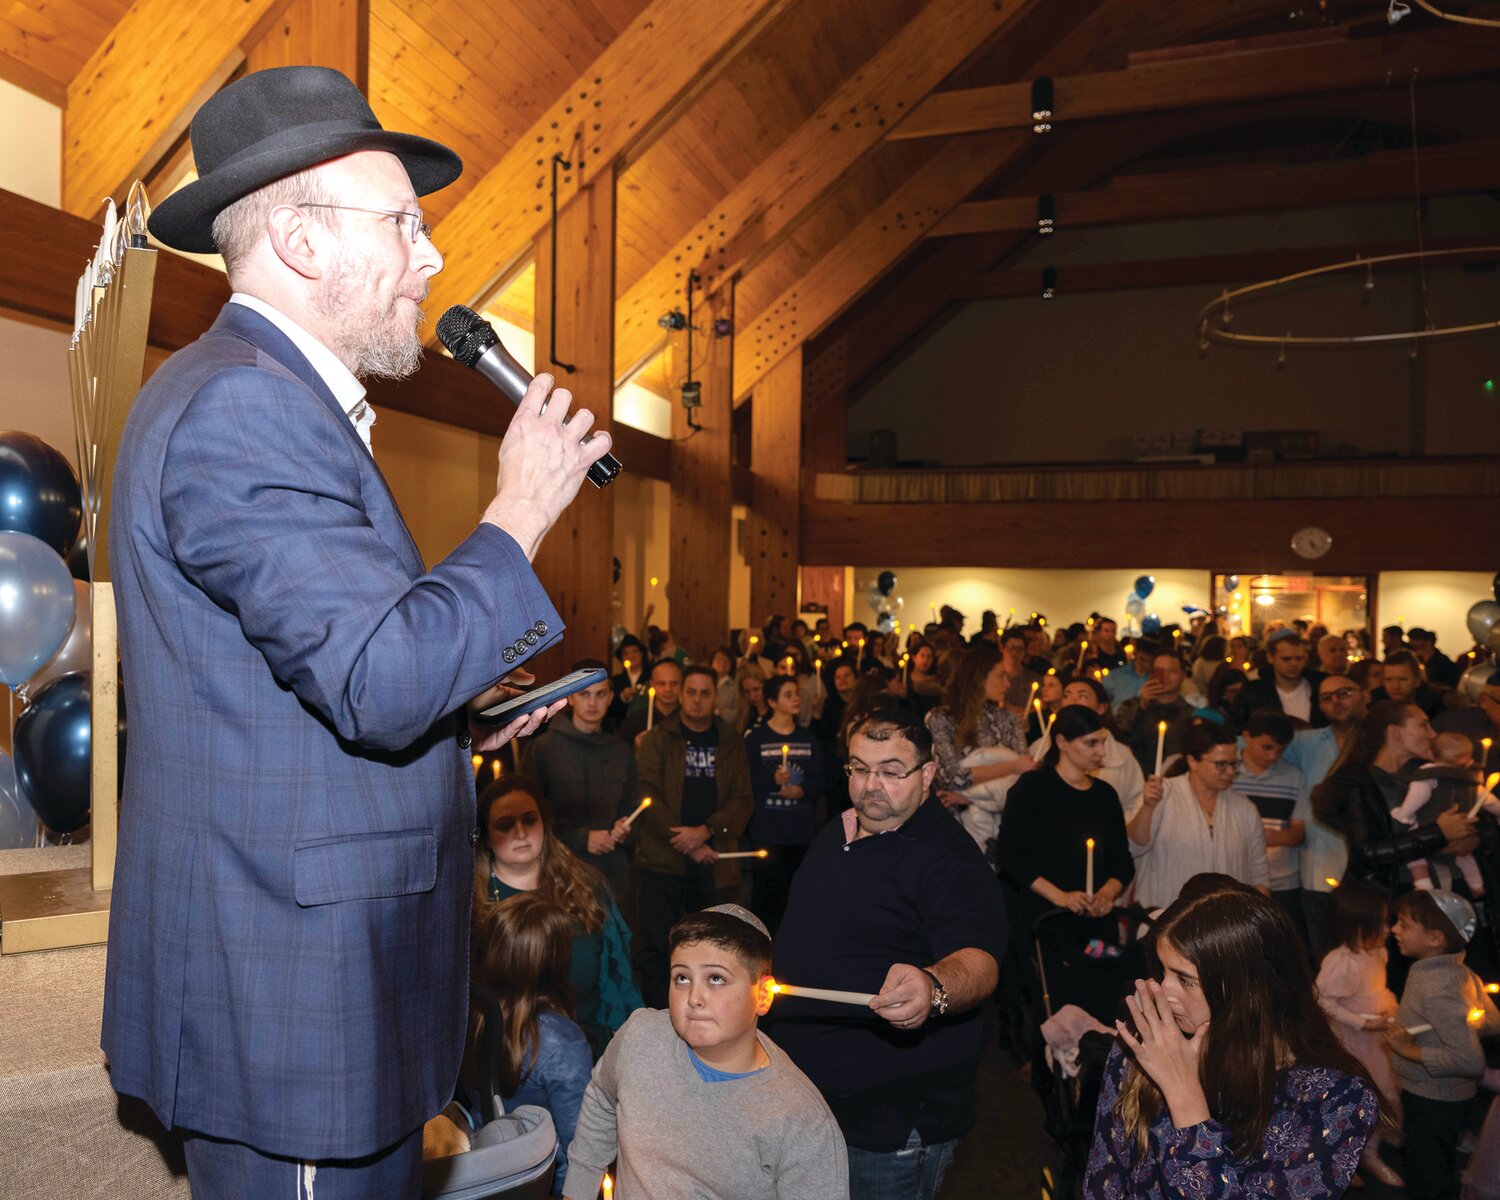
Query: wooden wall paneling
point(1220, 78)
point(574, 561)
point(321, 33)
point(137, 93)
point(698, 580)
point(767, 204)
point(1382, 175)
point(673, 48)
point(825, 586)
point(825, 411)
point(865, 254)
point(1369, 534)
point(775, 490)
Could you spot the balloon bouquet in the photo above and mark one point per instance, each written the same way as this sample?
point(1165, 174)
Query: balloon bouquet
point(45, 644)
point(886, 607)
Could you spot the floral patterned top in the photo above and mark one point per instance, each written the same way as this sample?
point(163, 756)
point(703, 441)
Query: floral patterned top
point(1311, 1147)
point(997, 727)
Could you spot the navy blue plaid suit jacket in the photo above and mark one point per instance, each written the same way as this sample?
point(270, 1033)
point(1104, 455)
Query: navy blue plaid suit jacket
point(289, 927)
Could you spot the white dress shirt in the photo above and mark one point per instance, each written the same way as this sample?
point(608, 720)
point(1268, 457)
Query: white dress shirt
point(346, 389)
point(1182, 844)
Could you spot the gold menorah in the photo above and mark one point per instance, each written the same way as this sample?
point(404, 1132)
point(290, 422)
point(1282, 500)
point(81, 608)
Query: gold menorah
point(106, 359)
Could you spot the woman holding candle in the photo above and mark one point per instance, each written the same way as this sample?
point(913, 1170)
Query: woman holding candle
point(1192, 822)
point(1062, 826)
point(1046, 699)
point(786, 777)
point(1119, 769)
point(924, 691)
point(1227, 1082)
point(518, 852)
point(974, 717)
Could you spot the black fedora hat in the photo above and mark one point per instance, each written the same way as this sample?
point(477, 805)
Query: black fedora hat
point(274, 123)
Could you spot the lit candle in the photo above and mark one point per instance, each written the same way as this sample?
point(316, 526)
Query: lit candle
point(1088, 874)
point(785, 750)
point(811, 993)
point(639, 809)
point(1031, 695)
point(653, 581)
point(1045, 742)
point(1330, 881)
point(1484, 762)
point(628, 665)
point(1488, 790)
point(650, 706)
point(496, 766)
point(609, 1187)
point(1161, 742)
point(478, 761)
point(1083, 648)
point(745, 854)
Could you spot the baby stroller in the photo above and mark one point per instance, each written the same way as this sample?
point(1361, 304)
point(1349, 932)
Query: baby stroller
point(1081, 963)
point(513, 1153)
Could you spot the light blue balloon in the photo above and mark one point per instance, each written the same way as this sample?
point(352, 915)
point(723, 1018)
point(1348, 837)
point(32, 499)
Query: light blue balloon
point(1144, 586)
point(36, 605)
point(1134, 605)
point(17, 821)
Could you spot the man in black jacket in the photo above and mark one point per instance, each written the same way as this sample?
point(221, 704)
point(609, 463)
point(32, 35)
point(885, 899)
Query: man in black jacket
point(1292, 687)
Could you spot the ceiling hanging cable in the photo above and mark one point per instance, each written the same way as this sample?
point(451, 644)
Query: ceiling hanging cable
point(557, 161)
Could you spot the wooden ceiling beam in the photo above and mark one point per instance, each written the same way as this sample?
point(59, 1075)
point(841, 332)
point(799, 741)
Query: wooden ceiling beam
point(135, 97)
point(767, 205)
point(1222, 78)
point(1207, 269)
point(901, 221)
point(44, 43)
point(1385, 175)
point(672, 50)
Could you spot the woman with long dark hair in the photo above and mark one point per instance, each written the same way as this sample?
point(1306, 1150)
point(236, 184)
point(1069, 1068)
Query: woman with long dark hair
point(1062, 843)
point(1364, 786)
point(1228, 1081)
point(521, 953)
point(973, 717)
point(518, 853)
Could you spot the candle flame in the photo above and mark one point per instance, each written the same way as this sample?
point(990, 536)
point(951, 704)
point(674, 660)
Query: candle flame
point(653, 581)
point(1037, 704)
point(1476, 1016)
point(1085, 645)
point(1330, 881)
point(1485, 742)
point(1489, 784)
point(1089, 844)
point(1161, 727)
point(1246, 666)
point(762, 854)
point(1051, 670)
point(646, 803)
point(478, 761)
point(497, 768)
point(609, 1187)
point(773, 987)
point(651, 692)
point(1106, 673)
point(785, 748)
point(753, 639)
point(1492, 988)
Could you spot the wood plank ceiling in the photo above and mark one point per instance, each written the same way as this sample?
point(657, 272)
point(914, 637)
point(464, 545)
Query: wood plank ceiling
point(478, 74)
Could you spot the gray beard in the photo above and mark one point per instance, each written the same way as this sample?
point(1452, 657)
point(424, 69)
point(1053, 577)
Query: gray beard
point(372, 345)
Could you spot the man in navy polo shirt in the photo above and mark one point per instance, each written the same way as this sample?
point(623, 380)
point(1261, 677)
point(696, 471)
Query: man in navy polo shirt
point(893, 898)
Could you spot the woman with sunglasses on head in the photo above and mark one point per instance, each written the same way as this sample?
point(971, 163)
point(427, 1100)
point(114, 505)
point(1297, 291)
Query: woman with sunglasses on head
point(1227, 1082)
point(518, 853)
point(1191, 822)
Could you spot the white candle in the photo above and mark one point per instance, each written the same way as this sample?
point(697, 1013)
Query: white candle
point(1416, 1029)
point(1488, 790)
point(1088, 874)
point(785, 750)
point(639, 809)
point(785, 989)
point(1044, 743)
point(1161, 742)
point(745, 854)
point(650, 707)
point(1082, 650)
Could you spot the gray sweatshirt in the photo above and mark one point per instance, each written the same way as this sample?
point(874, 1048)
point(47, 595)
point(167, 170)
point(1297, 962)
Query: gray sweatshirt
point(1442, 992)
point(767, 1136)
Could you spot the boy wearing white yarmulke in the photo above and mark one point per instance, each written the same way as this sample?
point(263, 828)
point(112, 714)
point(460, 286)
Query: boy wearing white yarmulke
point(697, 1102)
point(1435, 1037)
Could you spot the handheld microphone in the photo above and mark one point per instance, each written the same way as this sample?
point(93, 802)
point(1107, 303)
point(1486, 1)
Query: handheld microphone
point(472, 342)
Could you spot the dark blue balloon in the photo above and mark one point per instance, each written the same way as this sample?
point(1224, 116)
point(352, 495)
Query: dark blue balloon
point(1144, 586)
point(885, 582)
point(38, 491)
point(78, 559)
point(1151, 625)
point(53, 753)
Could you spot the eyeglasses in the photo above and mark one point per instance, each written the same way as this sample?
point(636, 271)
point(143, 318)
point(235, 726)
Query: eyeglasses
point(411, 222)
point(886, 775)
point(505, 826)
point(1222, 764)
point(1343, 693)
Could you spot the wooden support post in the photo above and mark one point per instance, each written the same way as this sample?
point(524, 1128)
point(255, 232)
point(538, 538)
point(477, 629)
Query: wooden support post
point(574, 560)
point(698, 586)
point(775, 464)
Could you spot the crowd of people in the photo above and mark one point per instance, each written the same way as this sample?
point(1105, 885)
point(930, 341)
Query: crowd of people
point(1193, 805)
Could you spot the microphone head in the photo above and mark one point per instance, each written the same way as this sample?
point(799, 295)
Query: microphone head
point(465, 333)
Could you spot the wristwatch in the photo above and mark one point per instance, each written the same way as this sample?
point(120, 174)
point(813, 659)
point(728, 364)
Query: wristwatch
point(939, 993)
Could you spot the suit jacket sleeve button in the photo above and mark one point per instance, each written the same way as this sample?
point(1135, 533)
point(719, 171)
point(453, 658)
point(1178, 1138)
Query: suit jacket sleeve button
point(464, 739)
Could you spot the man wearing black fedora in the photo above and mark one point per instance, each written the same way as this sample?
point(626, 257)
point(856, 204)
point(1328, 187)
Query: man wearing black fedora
point(287, 976)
